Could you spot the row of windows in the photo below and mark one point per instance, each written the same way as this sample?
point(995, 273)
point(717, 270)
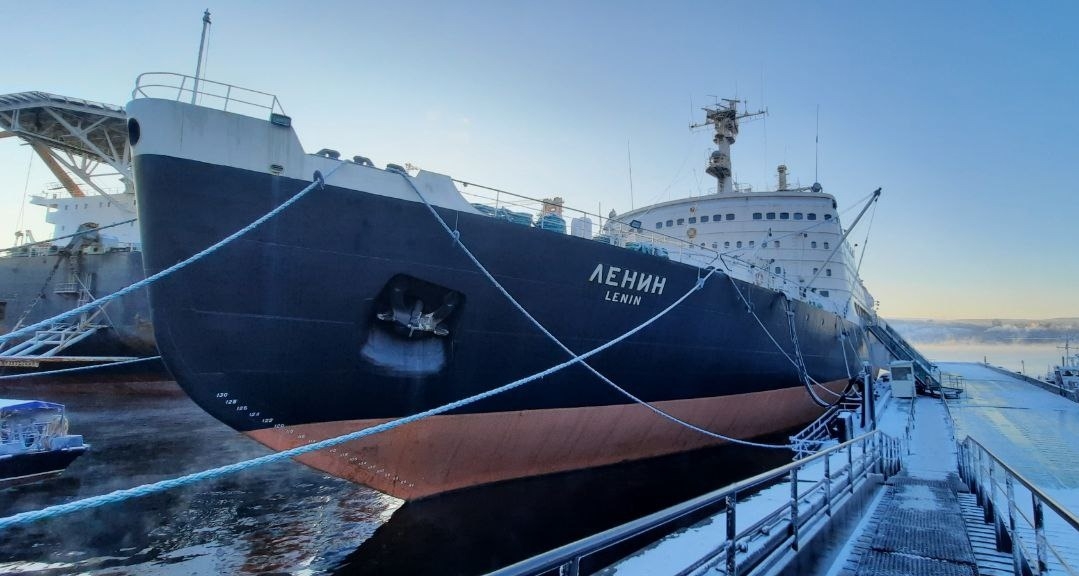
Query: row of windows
point(730, 216)
point(694, 220)
point(765, 244)
point(787, 216)
point(86, 205)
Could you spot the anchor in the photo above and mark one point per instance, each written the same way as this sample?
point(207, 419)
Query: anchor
point(413, 318)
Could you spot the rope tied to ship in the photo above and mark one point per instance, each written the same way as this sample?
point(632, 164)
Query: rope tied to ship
point(79, 368)
point(697, 286)
point(319, 182)
point(801, 370)
point(164, 485)
point(153, 488)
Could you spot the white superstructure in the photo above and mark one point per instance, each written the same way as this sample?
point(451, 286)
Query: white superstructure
point(789, 239)
point(67, 214)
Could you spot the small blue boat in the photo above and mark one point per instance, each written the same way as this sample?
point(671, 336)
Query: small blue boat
point(34, 443)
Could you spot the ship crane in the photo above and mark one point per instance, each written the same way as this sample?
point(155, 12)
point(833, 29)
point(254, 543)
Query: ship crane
point(724, 119)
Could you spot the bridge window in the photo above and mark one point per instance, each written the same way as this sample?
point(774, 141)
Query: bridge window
point(681, 221)
point(717, 217)
point(659, 225)
point(797, 215)
point(827, 216)
point(824, 293)
point(771, 215)
point(739, 244)
point(730, 216)
point(784, 215)
point(715, 245)
point(777, 243)
point(825, 245)
point(752, 243)
point(764, 244)
point(670, 223)
point(827, 271)
point(815, 270)
point(692, 219)
point(813, 245)
point(811, 216)
point(756, 215)
point(726, 244)
point(779, 269)
point(704, 219)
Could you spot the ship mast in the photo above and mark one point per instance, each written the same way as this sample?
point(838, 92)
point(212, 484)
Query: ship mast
point(724, 119)
point(202, 46)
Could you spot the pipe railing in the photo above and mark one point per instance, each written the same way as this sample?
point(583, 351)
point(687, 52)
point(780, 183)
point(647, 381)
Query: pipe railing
point(783, 528)
point(625, 234)
point(148, 84)
point(993, 482)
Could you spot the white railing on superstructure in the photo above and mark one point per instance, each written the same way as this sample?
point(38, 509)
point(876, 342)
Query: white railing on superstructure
point(209, 93)
point(623, 234)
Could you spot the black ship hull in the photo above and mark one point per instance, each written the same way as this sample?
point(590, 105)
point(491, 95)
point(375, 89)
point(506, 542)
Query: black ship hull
point(300, 331)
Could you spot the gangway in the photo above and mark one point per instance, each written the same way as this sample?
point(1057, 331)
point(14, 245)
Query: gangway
point(900, 349)
point(51, 341)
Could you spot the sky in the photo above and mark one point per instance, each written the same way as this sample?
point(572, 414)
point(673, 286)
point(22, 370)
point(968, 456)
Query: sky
point(962, 112)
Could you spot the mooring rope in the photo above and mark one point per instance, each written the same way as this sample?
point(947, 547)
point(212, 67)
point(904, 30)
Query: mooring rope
point(456, 235)
point(749, 308)
point(319, 182)
point(144, 490)
point(147, 489)
point(76, 369)
point(91, 231)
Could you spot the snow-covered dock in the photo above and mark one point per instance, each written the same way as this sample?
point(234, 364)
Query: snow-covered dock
point(928, 521)
point(1001, 500)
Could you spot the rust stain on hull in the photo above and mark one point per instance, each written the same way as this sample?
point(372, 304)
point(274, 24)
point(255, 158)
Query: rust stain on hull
point(450, 452)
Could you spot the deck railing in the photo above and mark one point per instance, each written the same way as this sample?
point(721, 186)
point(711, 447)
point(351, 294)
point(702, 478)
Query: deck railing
point(629, 234)
point(204, 92)
point(1019, 520)
point(766, 539)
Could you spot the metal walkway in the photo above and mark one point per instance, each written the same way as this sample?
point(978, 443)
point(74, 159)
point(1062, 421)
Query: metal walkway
point(929, 522)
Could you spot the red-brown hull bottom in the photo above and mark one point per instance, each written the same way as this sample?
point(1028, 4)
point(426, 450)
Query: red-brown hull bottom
point(444, 453)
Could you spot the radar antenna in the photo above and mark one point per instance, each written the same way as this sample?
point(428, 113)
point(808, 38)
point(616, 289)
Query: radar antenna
point(724, 119)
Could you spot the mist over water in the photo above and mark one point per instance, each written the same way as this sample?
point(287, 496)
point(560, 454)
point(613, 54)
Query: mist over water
point(1036, 358)
point(1028, 346)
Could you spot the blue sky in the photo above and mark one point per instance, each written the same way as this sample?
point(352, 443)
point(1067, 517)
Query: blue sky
point(961, 111)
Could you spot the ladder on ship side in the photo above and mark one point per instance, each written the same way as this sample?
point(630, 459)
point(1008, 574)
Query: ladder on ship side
point(60, 336)
point(51, 341)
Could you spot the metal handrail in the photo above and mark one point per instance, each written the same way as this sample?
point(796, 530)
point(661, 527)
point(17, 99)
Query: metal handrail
point(878, 451)
point(1063, 512)
point(977, 467)
point(141, 87)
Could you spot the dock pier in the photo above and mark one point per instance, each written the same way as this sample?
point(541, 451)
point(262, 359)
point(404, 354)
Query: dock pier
point(983, 484)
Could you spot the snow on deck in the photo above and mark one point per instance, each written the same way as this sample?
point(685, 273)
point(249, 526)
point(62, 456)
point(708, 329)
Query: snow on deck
point(1033, 430)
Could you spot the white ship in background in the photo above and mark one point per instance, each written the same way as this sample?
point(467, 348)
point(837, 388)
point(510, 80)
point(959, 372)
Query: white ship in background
point(94, 248)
